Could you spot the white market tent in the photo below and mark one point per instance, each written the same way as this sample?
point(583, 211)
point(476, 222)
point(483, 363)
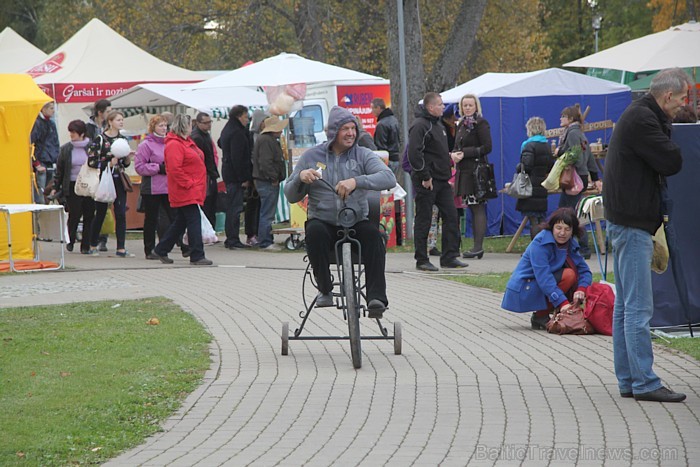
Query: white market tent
point(98, 63)
point(16, 53)
point(678, 46)
point(508, 100)
point(211, 101)
point(283, 69)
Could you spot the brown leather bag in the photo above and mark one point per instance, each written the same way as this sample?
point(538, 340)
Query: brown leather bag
point(126, 181)
point(566, 179)
point(571, 321)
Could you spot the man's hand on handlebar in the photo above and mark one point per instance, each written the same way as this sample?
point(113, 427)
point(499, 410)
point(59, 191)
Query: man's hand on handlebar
point(345, 187)
point(309, 176)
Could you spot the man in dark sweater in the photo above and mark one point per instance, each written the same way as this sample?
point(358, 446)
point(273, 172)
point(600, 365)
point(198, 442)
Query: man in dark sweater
point(640, 157)
point(201, 135)
point(431, 169)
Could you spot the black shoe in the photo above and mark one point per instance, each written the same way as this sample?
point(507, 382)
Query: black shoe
point(434, 252)
point(164, 259)
point(324, 300)
point(662, 394)
point(237, 246)
point(375, 309)
point(152, 256)
point(202, 262)
point(186, 253)
point(539, 322)
point(453, 263)
point(103, 246)
point(473, 254)
point(69, 247)
point(626, 395)
point(427, 266)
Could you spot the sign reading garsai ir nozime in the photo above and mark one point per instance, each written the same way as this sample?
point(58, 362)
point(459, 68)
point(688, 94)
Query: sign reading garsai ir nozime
point(84, 92)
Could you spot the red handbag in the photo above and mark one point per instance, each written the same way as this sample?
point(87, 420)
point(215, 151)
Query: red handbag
point(566, 179)
point(571, 321)
point(600, 302)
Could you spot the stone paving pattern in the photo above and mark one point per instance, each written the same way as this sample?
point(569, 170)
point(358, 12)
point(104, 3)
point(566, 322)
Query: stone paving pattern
point(473, 386)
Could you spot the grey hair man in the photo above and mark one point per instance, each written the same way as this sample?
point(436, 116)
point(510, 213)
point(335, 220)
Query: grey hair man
point(640, 156)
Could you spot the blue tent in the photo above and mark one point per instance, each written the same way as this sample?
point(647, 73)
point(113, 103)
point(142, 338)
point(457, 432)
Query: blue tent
point(508, 100)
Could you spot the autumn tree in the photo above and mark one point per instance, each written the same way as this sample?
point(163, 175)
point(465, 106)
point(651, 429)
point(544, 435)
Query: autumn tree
point(668, 13)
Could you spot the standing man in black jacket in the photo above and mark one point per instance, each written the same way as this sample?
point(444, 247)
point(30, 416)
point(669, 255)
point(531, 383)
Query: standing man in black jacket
point(201, 135)
point(386, 133)
point(431, 165)
point(236, 143)
point(640, 157)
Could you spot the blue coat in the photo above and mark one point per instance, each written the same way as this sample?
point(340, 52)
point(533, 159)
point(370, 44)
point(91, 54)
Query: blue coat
point(533, 282)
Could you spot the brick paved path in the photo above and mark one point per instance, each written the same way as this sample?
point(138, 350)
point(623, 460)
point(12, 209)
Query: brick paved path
point(474, 384)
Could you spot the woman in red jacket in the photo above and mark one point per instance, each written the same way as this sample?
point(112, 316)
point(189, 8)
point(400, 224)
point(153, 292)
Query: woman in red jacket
point(187, 188)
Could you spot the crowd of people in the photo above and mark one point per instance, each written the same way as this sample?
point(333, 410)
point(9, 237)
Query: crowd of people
point(178, 162)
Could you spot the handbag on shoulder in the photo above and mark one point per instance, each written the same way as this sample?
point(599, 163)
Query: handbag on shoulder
point(521, 186)
point(484, 180)
point(126, 180)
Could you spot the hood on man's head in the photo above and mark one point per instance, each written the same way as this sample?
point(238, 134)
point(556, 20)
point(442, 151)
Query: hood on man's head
point(337, 117)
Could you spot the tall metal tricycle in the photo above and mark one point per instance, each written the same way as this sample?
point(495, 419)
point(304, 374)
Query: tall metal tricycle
point(348, 290)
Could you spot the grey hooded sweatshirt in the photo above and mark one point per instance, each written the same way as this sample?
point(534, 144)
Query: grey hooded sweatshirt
point(359, 163)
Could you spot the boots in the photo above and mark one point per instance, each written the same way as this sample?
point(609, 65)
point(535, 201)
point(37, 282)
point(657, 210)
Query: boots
point(539, 320)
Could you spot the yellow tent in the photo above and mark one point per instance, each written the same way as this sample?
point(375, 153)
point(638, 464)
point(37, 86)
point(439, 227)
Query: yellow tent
point(21, 101)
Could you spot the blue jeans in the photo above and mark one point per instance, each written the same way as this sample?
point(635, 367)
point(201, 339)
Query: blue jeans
point(233, 214)
point(269, 194)
point(634, 306)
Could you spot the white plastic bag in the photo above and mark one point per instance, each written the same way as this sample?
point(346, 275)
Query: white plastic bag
point(106, 193)
point(87, 181)
point(208, 234)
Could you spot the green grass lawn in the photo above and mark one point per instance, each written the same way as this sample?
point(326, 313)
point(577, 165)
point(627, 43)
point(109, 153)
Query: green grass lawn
point(81, 382)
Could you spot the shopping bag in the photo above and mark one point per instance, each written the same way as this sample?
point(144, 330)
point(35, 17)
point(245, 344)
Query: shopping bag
point(551, 183)
point(659, 258)
point(108, 227)
point(208, 234)
point(566, 179)
point(106, 193)
point(87, 181)
point(520, 187)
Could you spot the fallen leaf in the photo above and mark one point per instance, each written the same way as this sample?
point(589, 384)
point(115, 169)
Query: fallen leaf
point(20, 454)
point(153, 321)
point(44, 352)
point(64, 374)
point(96, 449)
point(29, 394)
point(33, 373)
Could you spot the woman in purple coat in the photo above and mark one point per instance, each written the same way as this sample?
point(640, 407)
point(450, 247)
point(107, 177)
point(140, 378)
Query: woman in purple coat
point(150, 164)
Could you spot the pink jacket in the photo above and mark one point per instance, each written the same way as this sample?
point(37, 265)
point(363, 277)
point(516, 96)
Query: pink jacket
point(150, 164)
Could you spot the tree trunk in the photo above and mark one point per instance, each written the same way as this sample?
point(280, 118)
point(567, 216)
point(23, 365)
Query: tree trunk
point(415, 74)
point(452, 58)
point(690, 8)
point(307, 25)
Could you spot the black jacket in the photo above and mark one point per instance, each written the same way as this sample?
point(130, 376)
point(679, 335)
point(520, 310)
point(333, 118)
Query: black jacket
point(428, 152)
point(475, 144)
point(44, 136)
point(640, 157)
point(536, 160)
point(386, 134)
point(236, 144)
point(204, 142)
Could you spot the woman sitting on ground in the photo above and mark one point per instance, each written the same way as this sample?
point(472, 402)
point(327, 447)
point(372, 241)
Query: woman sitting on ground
point(551, 273)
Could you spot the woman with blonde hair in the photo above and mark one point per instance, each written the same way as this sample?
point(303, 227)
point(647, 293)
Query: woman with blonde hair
point(187, 188)
point(150, 164)
point(473, 141)
point(535, 160)
point(101, 157)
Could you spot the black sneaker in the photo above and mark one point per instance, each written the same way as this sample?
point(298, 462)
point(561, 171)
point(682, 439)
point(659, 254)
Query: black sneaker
point(202, 262)
point(164, 259)
point(662, 394)
point(375, 309)
point(453, 263)
point(426, 266)
point(434, 252)
point(324, 300)
point(102, 246)
point(69, 247)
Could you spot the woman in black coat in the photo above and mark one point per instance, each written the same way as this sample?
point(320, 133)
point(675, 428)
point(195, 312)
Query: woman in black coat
point(473, 140)
point(536, 160)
